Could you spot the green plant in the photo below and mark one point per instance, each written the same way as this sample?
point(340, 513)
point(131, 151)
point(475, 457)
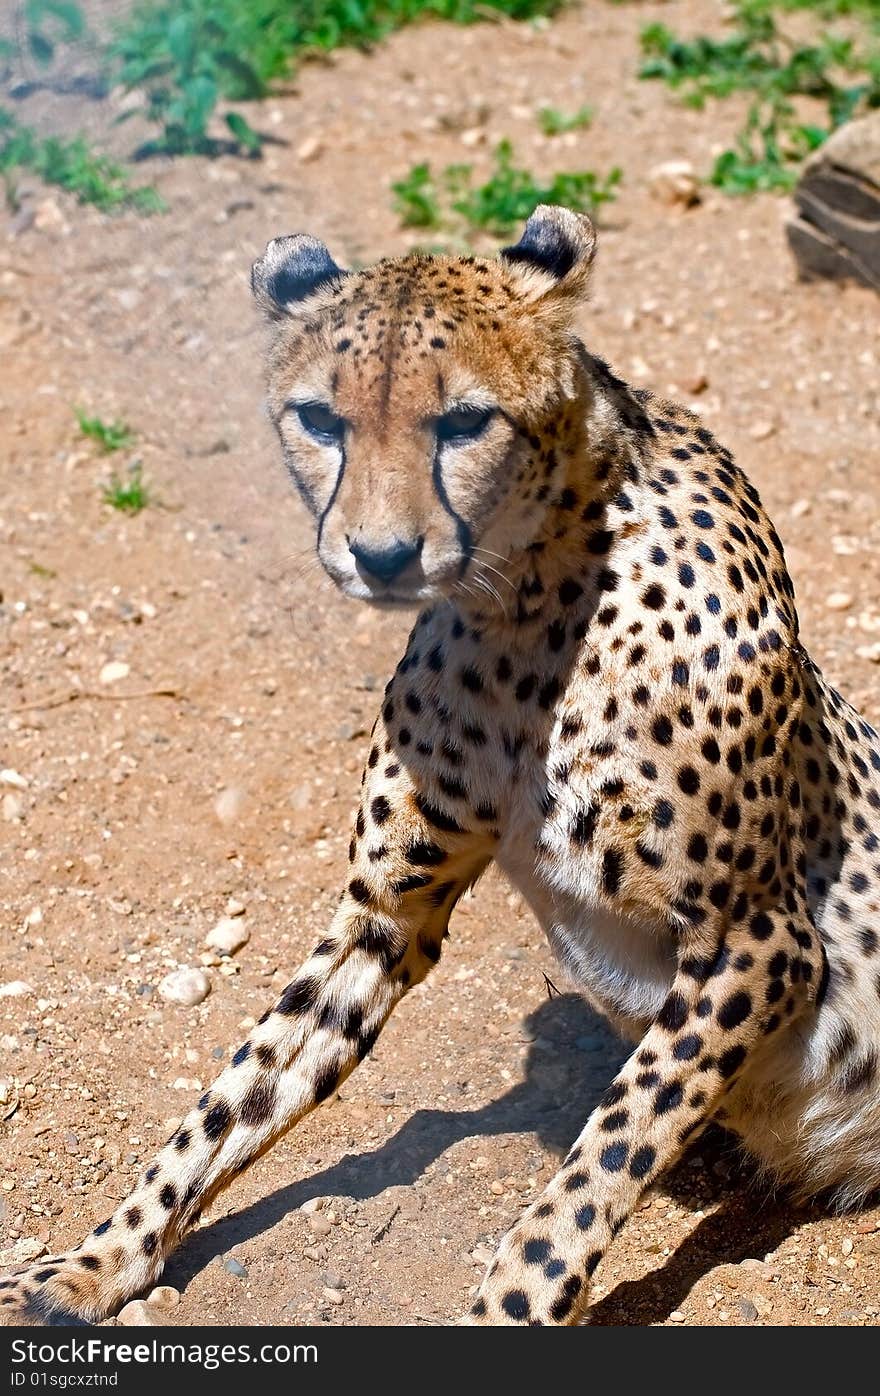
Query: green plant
point(110, 436)
point(759, 58)
point(500, 204)
point(416, 200)
point(189, 55)
point(509, 195)
point(72, 165)
point(554, 122)
point(127, 493)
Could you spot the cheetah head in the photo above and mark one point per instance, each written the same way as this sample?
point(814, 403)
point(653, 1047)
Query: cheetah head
point(419, 401)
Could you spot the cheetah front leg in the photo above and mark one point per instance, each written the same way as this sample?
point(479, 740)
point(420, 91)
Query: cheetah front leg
point(717, 1016)
point(410, 862)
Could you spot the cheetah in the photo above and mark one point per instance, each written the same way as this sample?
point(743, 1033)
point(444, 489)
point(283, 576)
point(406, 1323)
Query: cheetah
point(605, 693)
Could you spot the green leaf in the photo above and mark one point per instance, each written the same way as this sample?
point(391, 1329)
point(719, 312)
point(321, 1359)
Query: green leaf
point(243, 132)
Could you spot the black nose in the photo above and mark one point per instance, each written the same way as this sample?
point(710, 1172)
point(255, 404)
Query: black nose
point(385, 563)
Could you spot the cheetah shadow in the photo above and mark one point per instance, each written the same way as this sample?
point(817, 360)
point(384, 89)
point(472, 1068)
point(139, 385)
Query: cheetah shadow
point(572, 1057)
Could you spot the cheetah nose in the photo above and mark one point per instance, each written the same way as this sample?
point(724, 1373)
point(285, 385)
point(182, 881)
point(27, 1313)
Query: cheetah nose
point(385, 563)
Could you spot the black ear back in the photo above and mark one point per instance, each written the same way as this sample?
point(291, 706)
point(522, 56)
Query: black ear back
point(544, 248)
point(556, 249)
point(289, 271)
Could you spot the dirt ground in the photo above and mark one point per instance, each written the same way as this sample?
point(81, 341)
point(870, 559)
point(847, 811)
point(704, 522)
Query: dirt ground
point(225, 763)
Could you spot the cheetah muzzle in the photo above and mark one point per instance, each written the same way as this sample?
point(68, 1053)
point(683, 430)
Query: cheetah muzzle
point(606, 694)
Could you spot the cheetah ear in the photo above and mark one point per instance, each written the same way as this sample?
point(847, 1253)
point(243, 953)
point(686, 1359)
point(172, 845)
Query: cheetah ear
point(289, 272)
point(554, 255)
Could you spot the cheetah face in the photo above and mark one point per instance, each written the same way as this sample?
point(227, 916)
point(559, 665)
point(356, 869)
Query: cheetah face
point(415, 403)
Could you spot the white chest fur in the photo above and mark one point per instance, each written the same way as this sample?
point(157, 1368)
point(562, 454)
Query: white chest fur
point(624, 963)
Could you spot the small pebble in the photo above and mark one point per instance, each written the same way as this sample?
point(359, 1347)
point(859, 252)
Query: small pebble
point(676, 1316)
point(27, 1249)
point(319, 1225)
point(235, 1267)
point(10, 777)
point(15, 989)
point(229, 935)
point(846, 1246)
point(747, 1310)
point(137, 1314)
point(838, 601)
point(112, 672)
point(761, 431)
point(332, 1296)
point(186, 986)
point(164, 1297)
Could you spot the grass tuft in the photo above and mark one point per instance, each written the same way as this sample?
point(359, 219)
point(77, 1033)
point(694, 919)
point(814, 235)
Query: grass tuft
point(110, 436)
point(127, 493)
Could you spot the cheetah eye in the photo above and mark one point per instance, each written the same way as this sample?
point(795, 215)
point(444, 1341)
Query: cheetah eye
point(320, 421)
point(463, 423)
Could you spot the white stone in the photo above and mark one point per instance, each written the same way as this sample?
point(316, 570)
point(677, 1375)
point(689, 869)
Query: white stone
point(10, 777)
point(15, 989)
point(838, 601)
point(186, 986)
point(21, 1252)
point(113, 671)
point(164, 1297)
point(137, 1314)
point(229, 935)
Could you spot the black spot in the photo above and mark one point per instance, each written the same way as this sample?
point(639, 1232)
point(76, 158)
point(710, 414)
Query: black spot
point(585, 1216)
point(516, 1305)
point(536, 1252)
point(669, 1097)
point(674, 1013)
point(612, 871)
point(326, 1082)
point(563, 1304)
point(642, 1161)
point(217, 1120)
point(258, 1103)
point(731, 1060)
point(613, 1159)
point(734, 1010)
point(299, 997)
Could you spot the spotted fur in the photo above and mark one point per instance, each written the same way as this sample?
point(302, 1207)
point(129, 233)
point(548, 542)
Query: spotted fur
point(606, 694)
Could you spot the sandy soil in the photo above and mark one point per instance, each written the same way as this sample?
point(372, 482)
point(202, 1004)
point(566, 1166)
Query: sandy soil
point(141, 816)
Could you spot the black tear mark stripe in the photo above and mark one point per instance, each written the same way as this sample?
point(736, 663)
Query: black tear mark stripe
point(465, 537)
point(332, 500)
